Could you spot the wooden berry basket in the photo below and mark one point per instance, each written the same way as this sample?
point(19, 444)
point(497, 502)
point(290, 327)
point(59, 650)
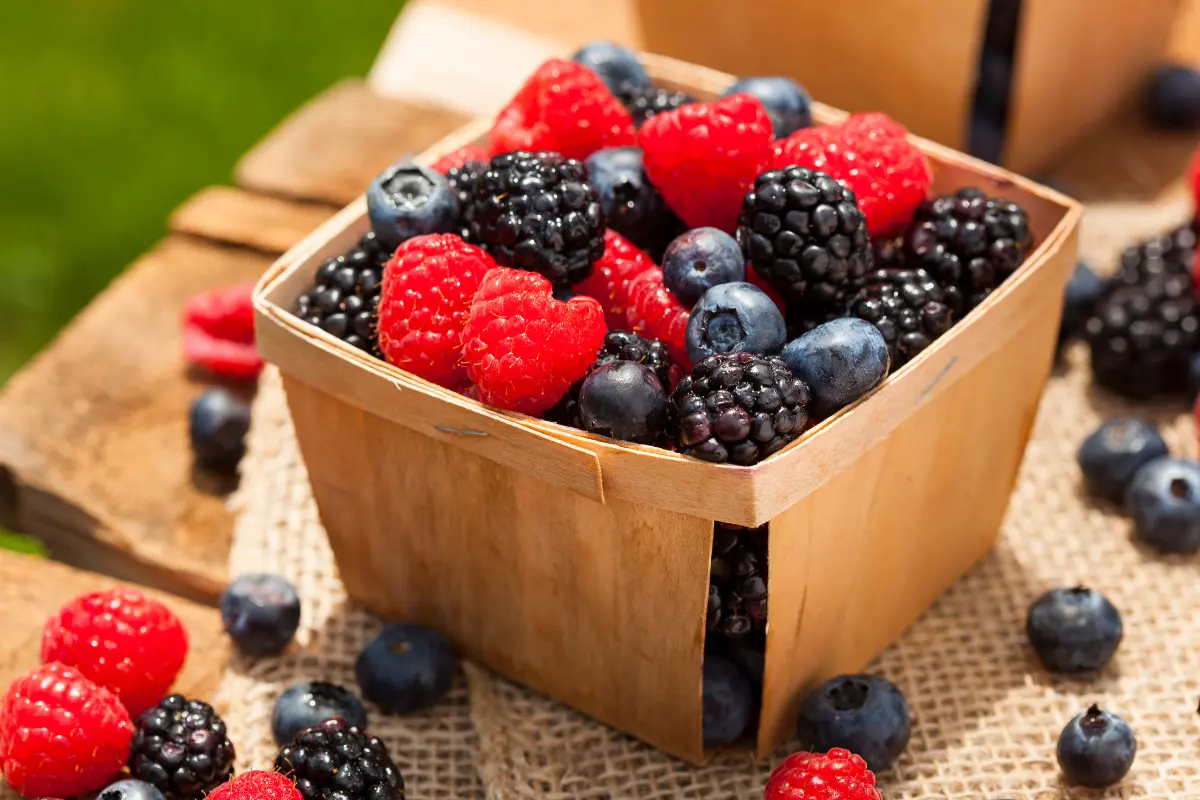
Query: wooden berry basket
point(579, 566)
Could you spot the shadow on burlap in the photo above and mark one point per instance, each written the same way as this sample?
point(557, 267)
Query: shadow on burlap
point(986, 717)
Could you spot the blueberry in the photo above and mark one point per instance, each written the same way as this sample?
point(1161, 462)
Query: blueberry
point(217, 426)
point(1114, 452)
point(406, 668)
point(865, 714)
point(786, 102)
point(728, 701)
point(748, 653)
point(1083, 290)
point(130, 789)
point(407, 200)
point(1172, 98)
point(700, 259)
point(623, 400)
point(305, 704)
point(1164, 501)
point(840, 361)
point(617, 66)
point(1073, 630)
point(261, 613)
point(734, 318)
point(632, 206)
point(1096, 749)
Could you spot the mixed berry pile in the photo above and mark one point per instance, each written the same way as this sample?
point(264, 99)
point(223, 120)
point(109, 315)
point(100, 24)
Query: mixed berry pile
point(705, 276)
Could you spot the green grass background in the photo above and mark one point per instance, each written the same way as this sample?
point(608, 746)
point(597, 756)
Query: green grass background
point(115, 111)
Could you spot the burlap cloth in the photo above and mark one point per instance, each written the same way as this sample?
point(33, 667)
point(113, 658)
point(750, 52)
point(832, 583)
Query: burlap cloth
point(986, 718)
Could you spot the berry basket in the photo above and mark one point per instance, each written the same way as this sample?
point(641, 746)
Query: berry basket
point(939, 59)
point(580, 566)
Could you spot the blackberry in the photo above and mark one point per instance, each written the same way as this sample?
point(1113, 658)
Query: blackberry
point(1142, 337)
point(644, 102)
point(907, 306)
point(180, 748)
point(337, 761)
point(889, 253)
point(805, 235)
point(537, 212)
point(344, 297)
point(737, 581)
point(462, 183)
point(737, 408)
point(969, 242)
point(1173, 253)
point(618, 346)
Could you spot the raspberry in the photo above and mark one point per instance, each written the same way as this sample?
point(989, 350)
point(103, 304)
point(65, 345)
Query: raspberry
point(61, 734)
point(256, 785)
point(427, 289)
point(1193, 180)
point(704, 157)
point(871, 155)
point(523, 348)
point(611, 276)
point(836, 775)
point(655, 313)
point(562, 107)
point(224, 313)
point(235, 361)
point(122, 640)
point(457, 158)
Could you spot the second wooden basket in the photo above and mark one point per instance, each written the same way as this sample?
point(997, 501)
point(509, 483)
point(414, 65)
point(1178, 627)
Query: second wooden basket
point(579, 566)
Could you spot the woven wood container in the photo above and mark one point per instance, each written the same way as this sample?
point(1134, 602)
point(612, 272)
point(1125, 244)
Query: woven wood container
point(579, 566)
point(918, 60)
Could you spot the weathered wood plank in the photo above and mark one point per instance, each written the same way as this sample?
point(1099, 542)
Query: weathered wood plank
point(268, 224)
point(94, 456)
point(331, 148)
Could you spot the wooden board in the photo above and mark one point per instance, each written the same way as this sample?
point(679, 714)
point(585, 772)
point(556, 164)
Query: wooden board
point(330, 149)
point(234, 216)
point(94, 457)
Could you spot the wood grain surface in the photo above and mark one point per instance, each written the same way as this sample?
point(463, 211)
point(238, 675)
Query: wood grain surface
point(330, 149)
point(260, 222)
point(94, 457)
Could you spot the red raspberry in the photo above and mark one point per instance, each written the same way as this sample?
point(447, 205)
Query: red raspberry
point(610, 278)
point(60, 734)
point(562, 107)
point(1193, 179)
point(427, 289)
point(224, 313)
point(218, 333)
point(872, 156)
point(703, 157)
point(524, 349)
point(235, 361)
point(657, 314)
point(256, 785)
point(126, 642)
point(462, 155)
point(836, 775)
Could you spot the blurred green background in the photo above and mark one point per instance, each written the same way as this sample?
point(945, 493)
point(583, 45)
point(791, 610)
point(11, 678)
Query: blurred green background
point(115, 111)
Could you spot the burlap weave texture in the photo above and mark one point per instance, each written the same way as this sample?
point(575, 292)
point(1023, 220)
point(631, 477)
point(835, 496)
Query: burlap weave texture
point(986, 717)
